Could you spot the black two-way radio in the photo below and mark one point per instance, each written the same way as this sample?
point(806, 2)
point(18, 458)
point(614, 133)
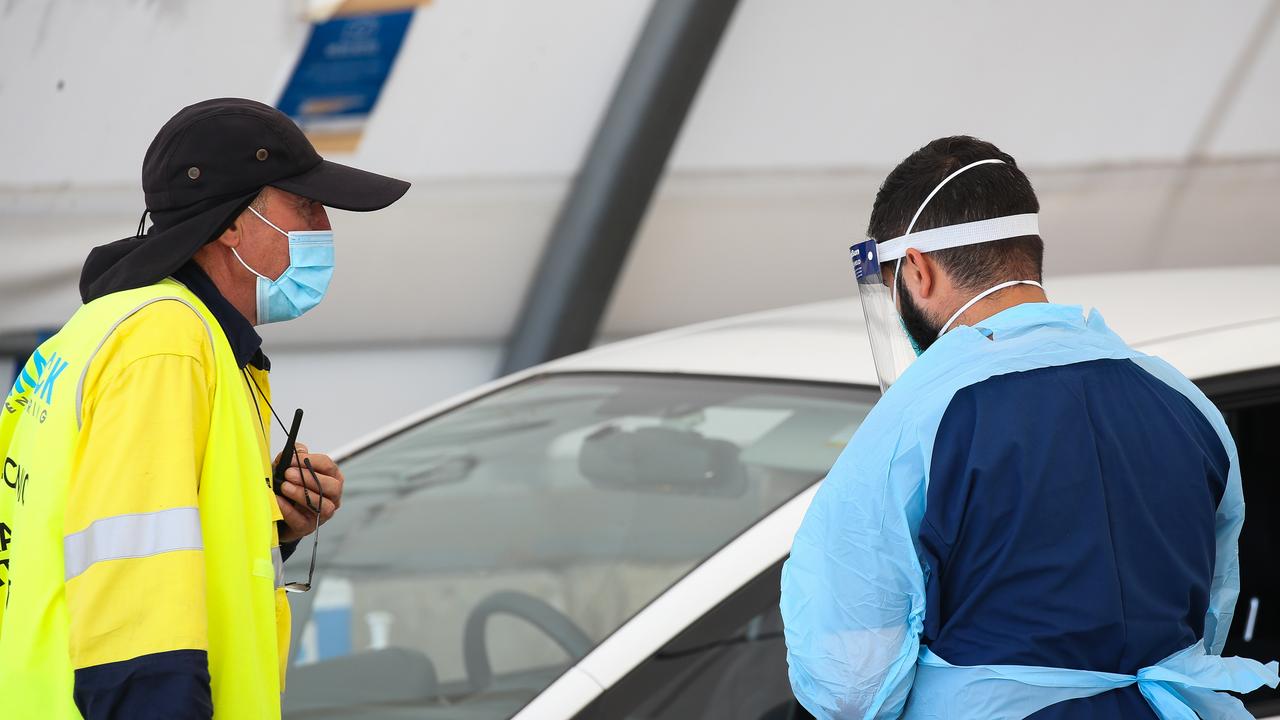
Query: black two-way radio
point(286, 455)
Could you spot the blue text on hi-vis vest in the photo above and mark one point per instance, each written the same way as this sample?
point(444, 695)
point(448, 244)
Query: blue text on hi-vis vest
point(35, 384)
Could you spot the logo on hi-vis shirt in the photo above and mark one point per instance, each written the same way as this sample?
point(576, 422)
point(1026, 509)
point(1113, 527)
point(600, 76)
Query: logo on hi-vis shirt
point(33, 391)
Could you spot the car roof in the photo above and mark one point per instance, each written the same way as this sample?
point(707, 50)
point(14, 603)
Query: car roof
point(1207, 322)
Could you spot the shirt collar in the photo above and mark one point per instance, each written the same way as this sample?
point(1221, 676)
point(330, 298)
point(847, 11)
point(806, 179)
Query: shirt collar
point(246, 343)
point(1033, 314)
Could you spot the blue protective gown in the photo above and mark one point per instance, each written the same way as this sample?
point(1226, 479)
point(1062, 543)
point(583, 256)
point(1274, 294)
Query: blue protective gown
point(1035, 520)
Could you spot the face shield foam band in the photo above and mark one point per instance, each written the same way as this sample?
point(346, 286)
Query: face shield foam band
point(953, 236)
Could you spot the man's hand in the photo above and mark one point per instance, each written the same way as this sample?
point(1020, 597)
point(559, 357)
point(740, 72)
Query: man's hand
point(298, 516)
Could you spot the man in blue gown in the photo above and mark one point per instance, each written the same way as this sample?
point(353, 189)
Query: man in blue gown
point(1035, 520)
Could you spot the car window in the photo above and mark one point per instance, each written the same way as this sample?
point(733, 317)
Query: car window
point(481, 552)
point(1254, 418)
point(729, 665)
point(732, 662)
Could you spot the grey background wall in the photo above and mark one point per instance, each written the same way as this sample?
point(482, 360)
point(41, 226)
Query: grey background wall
point(1148, 128)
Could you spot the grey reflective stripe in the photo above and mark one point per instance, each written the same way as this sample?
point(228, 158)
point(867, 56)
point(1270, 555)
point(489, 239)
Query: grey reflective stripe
point(277, 562)
point(132, 536)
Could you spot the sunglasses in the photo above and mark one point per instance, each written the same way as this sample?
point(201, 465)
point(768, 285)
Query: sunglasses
point(301, 587)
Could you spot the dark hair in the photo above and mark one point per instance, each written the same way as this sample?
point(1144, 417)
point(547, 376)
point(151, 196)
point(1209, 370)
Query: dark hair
point(982, 193)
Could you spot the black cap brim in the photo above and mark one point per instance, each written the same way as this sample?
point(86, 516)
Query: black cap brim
point(344, 187)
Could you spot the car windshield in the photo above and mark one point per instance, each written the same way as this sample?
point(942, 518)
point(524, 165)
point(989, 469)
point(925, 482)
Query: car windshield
point(481, 552)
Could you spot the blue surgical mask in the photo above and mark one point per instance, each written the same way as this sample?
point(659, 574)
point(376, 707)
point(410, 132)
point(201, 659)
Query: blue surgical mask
point(302, 285)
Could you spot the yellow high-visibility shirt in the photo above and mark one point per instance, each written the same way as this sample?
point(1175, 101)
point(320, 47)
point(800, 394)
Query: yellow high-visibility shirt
point(140, 520)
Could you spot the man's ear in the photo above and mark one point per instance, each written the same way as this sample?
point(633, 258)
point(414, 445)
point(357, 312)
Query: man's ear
point(922, 273)
point(232, 236)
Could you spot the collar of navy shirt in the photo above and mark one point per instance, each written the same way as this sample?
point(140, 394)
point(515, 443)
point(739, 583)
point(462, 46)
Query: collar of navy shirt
point(245, 342)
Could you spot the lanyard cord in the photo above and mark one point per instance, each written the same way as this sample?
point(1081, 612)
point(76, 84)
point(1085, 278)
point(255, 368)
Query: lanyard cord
point(249, 378)
point(306, 461)
point(256, 410)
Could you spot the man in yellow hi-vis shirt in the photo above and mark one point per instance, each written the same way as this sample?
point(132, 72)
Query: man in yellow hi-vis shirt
point(141, 541)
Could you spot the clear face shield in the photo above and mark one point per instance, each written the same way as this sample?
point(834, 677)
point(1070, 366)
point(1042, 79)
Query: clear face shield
point(875, 268)
point(891, 347)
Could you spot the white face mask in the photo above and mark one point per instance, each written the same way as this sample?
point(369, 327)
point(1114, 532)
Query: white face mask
point(303, 284)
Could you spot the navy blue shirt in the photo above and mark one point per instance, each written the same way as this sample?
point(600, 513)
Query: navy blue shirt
point(1070, 523)
point(246, 343)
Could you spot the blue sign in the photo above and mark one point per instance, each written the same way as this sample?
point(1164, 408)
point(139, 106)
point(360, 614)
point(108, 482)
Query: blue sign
point(343, 68)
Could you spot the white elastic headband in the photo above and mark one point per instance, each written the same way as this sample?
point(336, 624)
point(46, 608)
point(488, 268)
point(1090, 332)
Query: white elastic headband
point(952, 236)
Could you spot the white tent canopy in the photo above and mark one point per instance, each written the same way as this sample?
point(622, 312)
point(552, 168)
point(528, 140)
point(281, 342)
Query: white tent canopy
point(1148, 129)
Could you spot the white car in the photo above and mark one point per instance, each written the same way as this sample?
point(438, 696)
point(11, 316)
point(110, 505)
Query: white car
point(602, 536)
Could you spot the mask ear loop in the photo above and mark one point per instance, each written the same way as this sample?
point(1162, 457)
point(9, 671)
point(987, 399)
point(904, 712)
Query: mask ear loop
point(897, 279)
point(897, 267)
point(273, 225)
point(981, 295)
point(246, 266)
